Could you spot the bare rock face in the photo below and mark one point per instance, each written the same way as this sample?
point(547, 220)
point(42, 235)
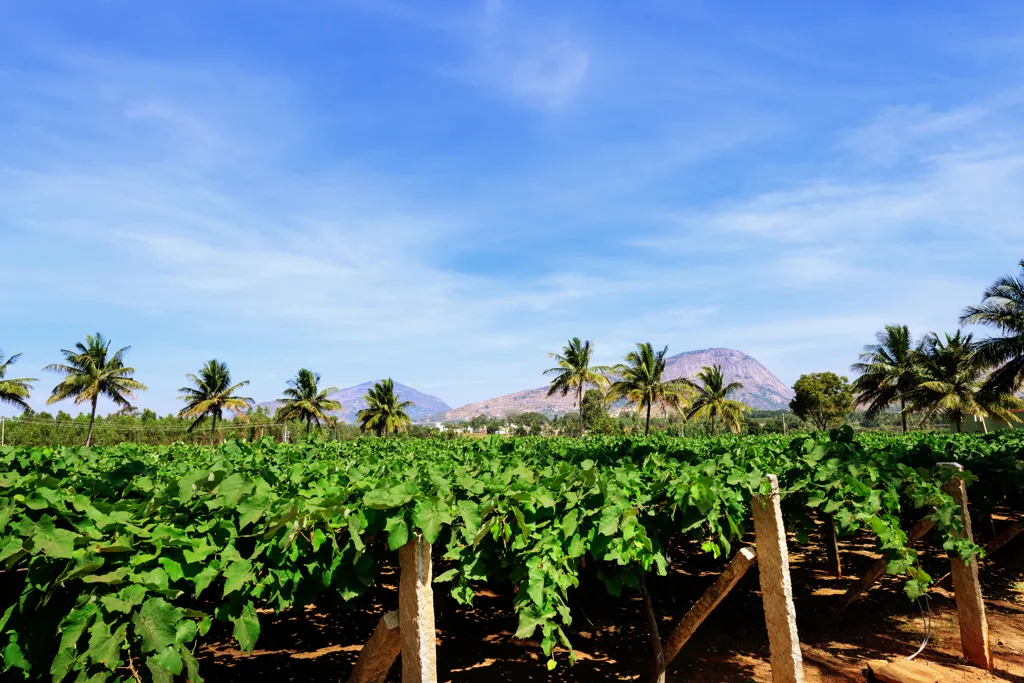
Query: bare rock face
point(761, 389)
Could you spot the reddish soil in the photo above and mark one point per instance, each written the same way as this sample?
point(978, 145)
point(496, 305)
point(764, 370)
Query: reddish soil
point(476, 645)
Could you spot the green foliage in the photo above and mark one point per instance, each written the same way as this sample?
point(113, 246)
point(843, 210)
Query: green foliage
point(889, 372)
point(124, 556)
point(823, 398)
point(210, 395)
point(574, 374)
point(304, 400)
point(641, 382)
point(385, 410)
point(14, 391)
point(712, 402)
point(1002, 308)
point(91, 372)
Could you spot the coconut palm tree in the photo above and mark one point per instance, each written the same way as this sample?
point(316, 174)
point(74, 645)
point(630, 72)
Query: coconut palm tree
point(385, 411)
point(574, 372)
point(641, 382)
point(305, 400)
point(91, 371)
point(211, 395)
point(888, 372)
point(14, 391)
point(713, 402)
point(1002, 307)
point(953, 382)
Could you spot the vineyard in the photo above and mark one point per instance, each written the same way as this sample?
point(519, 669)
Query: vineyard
point(117, 561)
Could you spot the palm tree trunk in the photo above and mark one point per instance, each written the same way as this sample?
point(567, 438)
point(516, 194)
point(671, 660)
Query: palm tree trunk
point(213, 431)
point(903, 412)
point(92, 420)
point(579, 399)
point(309, 423)
point(712, 424)
point(647, 425)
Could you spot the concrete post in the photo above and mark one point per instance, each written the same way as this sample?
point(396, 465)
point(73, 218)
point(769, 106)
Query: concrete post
point(970, 606)
point(776, 587)
point(379, 653)
point(416, 613)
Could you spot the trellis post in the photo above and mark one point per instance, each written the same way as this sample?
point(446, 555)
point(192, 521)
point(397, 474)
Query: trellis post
point(776, 586)
point(970, 605)
point(416, 613)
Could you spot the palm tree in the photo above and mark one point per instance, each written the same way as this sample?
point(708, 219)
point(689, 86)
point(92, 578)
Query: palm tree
point(212, 394)
point(713, 399)
point(14, 391)
point(953, 382)
point(888, 372)
point(574, 372)
point(642, 385)
point(385, 411)
point(91, 371)
point(1002, 307)
point(304, 400)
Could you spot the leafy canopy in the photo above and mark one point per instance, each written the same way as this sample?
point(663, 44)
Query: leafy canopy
point(824, 398)
point(1002, 307)
point(211, 394)
point(712, 402)
point(14, 391)
point(642, 383)
point(385, 412)
point(304, 400)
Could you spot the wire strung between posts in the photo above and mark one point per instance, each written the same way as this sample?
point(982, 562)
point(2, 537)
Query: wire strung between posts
point(926, 616)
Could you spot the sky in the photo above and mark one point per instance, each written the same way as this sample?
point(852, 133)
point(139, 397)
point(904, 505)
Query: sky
point(445, 192)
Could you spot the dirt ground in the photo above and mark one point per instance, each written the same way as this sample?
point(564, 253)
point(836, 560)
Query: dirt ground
point(476, 645)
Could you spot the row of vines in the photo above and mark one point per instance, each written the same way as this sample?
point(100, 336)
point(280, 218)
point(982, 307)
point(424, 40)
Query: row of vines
point(114, 562)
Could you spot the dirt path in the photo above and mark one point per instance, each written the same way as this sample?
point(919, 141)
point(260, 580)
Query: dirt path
point(476, 645)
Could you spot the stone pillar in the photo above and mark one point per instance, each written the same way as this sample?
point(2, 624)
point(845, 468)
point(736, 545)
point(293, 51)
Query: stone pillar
point(379, 653)
point(970, 606)
point(776, 587)
point(416, 613)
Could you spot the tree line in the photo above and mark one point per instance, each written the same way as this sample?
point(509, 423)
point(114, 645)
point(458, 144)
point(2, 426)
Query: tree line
point(91, 371)
point(953, 376)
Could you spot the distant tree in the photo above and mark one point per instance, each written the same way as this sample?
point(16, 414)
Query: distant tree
point(889, 372)
point(642, 382)
point(304, 400)
point(595, 412)
point(824, 398)
point(712, 401)
point(385, 411)
point(14, 391)
point(91, 371)
point(953, 383)
point(1002, 307)
point(531, 422)
point(211, 394)
point(574, 372)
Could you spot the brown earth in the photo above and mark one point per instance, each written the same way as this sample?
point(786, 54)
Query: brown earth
point(476, 644)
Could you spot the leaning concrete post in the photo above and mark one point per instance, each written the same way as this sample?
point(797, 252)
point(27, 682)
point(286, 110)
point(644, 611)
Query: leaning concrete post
point(416, 613)
point(379, 653)
point(776, 587)
point(715, 593)
point(970, 606)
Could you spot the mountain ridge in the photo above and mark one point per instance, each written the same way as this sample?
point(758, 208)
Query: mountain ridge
point(761, 388)
point(352, 401)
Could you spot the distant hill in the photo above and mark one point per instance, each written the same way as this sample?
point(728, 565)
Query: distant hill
point(351, 399)
point(761, 389)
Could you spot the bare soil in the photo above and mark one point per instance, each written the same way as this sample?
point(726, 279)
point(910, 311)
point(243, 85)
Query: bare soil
point(476, 645)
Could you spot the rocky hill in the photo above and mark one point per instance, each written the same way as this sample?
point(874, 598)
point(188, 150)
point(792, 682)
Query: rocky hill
point(761, 389)
point(351, 399)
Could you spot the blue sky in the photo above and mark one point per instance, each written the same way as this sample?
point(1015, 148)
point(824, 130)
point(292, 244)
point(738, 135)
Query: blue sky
point(444, 192)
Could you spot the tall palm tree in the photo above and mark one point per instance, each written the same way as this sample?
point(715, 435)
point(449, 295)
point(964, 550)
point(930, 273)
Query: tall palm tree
point(713, 400)
point(1002, 307)
point(953, 382)
point(14, 391)
point(305, 400)
point(385, 411)
point(641, 382)
point(211, 395)
point(888, 372)
point(91, 371)
point(574, 372)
